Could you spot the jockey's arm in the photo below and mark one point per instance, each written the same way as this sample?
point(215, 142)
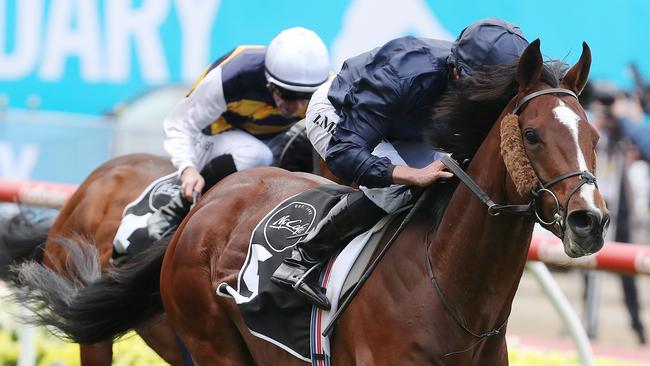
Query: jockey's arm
point(349, 157)
point(420, 177)
point(374, 96)
point(365, 120)
point(184, 124)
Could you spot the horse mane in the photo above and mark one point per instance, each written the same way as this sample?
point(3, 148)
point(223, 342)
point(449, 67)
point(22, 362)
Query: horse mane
point(464, 114)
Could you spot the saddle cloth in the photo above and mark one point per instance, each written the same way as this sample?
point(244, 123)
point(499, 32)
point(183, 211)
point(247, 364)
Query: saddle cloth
point(132, 235)
point(283, 317)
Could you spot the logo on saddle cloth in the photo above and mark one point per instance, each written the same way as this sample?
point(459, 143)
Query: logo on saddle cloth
point(286, 227)
point(162, 192)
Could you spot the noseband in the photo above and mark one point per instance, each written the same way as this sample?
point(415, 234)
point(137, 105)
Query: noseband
point(532, 208)
point(560, 212)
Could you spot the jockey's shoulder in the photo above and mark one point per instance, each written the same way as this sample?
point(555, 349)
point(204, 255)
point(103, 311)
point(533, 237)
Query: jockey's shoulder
point(410, 55)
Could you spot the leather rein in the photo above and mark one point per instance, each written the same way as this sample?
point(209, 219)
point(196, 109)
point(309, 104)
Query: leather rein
point(494, 209)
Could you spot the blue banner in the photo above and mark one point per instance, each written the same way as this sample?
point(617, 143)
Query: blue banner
point(87, 55)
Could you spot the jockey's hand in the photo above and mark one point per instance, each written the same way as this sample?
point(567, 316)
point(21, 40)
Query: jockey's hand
point(191, 181)
point(420, 177)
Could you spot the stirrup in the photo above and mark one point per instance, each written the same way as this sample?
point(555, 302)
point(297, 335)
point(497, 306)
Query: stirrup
point(312, 292)
point(301, 280)
point(294, 276)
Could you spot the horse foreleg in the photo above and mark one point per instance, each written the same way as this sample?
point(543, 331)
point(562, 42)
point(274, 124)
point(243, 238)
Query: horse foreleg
point(162, 339)
point(99, 354)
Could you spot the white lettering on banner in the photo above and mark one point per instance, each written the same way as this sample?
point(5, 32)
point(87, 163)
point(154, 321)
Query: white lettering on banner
point(72, 30)
point(196, 18)
point(22, 60)
point(106, 37)
point(143, 23)
point(19, 167)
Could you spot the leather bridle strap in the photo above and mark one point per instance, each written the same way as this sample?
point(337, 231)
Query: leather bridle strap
point(530, 96)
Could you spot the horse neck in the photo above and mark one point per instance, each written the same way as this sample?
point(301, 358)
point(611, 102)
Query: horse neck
point(478, 254)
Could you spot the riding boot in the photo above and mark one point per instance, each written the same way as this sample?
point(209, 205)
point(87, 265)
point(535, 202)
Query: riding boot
point(166, 220)
point(354, 214)
point(217, 169)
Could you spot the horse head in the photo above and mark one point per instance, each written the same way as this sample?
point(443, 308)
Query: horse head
point(549, 149)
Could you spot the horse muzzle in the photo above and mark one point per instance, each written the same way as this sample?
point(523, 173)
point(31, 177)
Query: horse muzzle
point(584, 232)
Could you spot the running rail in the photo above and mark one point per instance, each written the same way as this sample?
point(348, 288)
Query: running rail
point(614, 257)
point(35, 193)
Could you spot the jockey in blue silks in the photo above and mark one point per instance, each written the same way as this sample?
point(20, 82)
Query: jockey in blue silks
point(364, 123)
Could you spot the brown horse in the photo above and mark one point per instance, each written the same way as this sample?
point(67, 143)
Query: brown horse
point(93, 213)
point(447, 285)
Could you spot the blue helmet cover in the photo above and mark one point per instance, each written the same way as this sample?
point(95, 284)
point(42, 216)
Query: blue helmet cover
point(486, 42)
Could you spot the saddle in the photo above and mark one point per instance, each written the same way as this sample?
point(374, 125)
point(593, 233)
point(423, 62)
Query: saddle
point(283, 317)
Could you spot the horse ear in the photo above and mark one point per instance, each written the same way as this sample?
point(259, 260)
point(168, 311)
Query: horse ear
point(576, 78)
point(530, 66)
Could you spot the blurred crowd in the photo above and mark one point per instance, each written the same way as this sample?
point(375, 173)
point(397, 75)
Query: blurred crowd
point(623, 121)
point(623, 155)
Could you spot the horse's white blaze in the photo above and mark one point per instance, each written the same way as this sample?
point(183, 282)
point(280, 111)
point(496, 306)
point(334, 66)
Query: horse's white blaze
point(570, 119)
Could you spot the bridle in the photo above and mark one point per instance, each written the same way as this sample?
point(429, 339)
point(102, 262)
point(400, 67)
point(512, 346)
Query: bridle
point(530, 209)
point(559, 215)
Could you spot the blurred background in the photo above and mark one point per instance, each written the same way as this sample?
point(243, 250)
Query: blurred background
point(82, 81)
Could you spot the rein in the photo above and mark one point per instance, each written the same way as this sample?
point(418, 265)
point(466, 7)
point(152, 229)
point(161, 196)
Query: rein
point(494, 209)
point(452, 312)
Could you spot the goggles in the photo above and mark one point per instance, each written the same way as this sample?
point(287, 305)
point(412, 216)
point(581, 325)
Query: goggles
point(286, 94)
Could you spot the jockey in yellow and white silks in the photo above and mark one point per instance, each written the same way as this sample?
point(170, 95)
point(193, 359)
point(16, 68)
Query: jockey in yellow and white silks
point(231, 115)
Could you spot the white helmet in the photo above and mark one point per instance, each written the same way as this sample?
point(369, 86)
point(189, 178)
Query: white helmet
point(297, 60)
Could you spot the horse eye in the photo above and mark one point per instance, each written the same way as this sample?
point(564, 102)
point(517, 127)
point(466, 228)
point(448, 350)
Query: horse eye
point(531, 136)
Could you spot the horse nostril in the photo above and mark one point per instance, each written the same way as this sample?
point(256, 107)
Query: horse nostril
point(605, 221)
point(582, 222)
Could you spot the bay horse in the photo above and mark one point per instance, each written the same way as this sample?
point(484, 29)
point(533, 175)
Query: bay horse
point(93, 213)
point(443, 293)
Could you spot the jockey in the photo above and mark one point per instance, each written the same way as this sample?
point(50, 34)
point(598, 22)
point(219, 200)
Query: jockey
point(233, 111)
point(364, 123)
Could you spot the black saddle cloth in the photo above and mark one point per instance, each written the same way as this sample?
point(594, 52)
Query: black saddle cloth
point(281, 317)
